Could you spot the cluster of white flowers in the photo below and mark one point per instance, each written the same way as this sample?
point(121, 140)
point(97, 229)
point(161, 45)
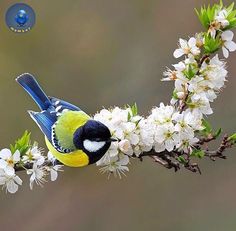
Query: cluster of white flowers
point(133, 137)
point(198, 78)
point(34, 157)
point(220, 23)
point(164, 129)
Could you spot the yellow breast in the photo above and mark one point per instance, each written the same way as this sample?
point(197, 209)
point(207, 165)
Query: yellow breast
point(73, 159)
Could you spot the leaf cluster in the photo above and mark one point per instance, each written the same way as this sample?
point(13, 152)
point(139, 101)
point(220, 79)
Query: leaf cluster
point(22, 144)
point(207, 14)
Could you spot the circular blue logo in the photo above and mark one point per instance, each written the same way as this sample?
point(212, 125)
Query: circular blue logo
point(20, 18)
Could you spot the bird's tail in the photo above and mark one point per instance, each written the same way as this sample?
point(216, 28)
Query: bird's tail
point(31, 86)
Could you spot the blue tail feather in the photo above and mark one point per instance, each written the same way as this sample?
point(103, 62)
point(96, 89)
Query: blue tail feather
point(31, 86)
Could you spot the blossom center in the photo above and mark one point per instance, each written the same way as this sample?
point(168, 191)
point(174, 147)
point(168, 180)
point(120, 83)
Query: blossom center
point(10, 162)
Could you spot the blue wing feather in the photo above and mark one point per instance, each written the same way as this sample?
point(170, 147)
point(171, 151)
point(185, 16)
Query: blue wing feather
point(45, 120)
point(63, 104)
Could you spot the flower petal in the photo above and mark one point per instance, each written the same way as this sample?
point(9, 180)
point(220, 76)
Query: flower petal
point(123, 160)
point(192, 42)
point(183, 43)
point(230, 45)
point(2, 180)
point(10, 171)
point(18, 180)
point(225, 52)
point(3, 164)
point(178, 53)
point(12, 187)
point(227, 35)
point(5, 153)
point(16, 156)
point(169, 144)
point(53, 174)
point(159, 147)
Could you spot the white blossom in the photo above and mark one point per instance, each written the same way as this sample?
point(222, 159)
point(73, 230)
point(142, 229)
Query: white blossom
point(34, 155)
point(162, 114)
point(214, 73)
point(126, 147)
point(10, 182)
point(187, 48)
point(220, 22)
point(8, 160)
point(188, 121)
point(200, 104)
point(228, 44)
point(165, 138)
point(116, 165)
point(221, 17)
point(54, 169)
point(38, 174)
point(186, 142)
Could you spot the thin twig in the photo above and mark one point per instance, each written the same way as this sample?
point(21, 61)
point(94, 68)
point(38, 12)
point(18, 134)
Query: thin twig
point(30, 165)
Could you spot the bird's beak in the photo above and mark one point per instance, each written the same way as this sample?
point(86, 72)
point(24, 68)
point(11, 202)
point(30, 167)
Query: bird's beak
point(113, 139)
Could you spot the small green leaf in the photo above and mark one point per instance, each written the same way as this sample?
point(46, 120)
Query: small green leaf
point(22, 144)
point(217, 133)
point(207, 126)
point(174, 94)
point(198, 153)
point(206, 14)
point(129, 116)
point(134, 109)
point(211, 45)
point(182, 160)
point(190, 71)
point(232, 137)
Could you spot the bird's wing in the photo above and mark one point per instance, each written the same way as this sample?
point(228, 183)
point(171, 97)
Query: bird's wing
point(45, 120)
point(59, 122)
point(66, 125)
point(61, 105)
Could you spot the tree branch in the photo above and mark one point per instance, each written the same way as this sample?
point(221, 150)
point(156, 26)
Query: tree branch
point(171, 159)
point(23, 167)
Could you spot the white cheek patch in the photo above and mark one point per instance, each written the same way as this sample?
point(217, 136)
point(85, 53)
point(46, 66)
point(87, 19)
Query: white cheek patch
point(93, 146)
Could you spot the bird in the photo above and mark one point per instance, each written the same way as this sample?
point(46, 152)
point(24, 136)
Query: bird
point(71, 135)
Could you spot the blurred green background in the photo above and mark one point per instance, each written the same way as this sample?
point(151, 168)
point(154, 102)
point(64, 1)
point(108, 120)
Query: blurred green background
point(101, 53)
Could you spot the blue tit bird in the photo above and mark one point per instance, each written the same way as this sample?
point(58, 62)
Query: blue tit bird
point(73, 137)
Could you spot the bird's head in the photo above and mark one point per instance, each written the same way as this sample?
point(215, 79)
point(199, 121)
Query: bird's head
point(94, 138)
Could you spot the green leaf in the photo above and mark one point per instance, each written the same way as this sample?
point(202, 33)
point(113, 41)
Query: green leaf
point(134, 109)
point(207, 126)
point(230, 7)
point(198, 153)
point(182, 160)
point(211, 45)
point(232, 137)
point(206, 14)
point(190, 71)
point(174, 94)
point(22, 144)
point(217, 133)
point(129, 116)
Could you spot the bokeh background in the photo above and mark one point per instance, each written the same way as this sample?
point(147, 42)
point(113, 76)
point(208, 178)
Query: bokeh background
point(101, 53)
